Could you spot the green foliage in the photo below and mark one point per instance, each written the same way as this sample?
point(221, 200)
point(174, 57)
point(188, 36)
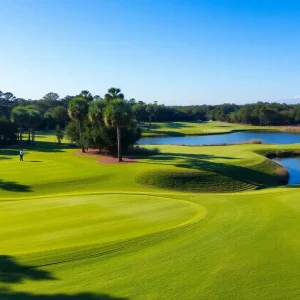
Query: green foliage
point(102, 137)
point(259, 114)
point(51, 97)
point(48, 117)
point(7, 102)
point(8, 132)
point(140, 112)
point(72, 132)
point(78, 108)
point(96, 111)
point(151, 111)
point(99, 122)
point(138, 151)
point(19, 115)
point(113, 93)
point(86, 95)
point(117, 113)
point(59, 134)
point(34, 119)
point(60, 115)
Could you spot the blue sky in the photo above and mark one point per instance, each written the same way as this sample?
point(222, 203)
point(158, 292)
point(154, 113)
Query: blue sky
point(173, 52)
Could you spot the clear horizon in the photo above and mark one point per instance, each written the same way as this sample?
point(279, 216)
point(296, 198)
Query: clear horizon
point(176, 53)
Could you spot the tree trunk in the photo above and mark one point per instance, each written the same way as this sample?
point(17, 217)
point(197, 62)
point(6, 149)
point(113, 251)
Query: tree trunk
point(21, 135)
point(80, 137)
point(29, 135)
point(150, 120)
point(119, 143)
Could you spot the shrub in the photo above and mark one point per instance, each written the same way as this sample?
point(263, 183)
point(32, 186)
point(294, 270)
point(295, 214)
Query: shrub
point(142, 151)
point(59, 134)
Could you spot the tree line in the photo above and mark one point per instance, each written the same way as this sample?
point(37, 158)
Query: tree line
point(107, 123)
point(18, 114)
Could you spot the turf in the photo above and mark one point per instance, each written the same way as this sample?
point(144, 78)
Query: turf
point(199, 128)
point(72, 228)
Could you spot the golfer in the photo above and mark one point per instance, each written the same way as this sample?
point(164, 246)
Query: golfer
point(21, 155)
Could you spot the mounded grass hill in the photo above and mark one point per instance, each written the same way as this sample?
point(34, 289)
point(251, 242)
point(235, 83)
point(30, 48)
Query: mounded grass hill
point(74, 228)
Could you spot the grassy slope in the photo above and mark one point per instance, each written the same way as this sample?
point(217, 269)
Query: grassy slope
point(54, 170)
point(190, 128)
point(133, 241)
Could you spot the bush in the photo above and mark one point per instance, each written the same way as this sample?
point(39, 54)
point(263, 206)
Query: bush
point(72, 132)
point(142, 151)
point(59, 134)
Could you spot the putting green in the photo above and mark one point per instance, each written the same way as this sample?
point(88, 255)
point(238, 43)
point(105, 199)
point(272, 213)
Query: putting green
point(88, 219)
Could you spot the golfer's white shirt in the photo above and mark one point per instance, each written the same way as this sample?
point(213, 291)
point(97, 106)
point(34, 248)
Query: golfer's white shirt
point(21, 152)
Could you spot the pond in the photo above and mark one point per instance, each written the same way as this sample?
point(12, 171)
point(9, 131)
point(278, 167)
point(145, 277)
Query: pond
point(292, 164)
point(228, 138)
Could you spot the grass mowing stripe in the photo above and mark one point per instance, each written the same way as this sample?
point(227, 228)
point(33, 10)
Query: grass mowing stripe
point(63, 222)
point(119, 238)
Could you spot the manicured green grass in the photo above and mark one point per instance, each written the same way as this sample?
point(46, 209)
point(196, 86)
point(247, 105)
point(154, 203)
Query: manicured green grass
point(198, 128)
point(72, 228)
point(78, 220)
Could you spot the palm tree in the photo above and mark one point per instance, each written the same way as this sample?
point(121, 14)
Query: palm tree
point(113, 93)
point(19, 115)
point(118, 114)
point(96, 111)
point(96, 115)
point(77, 110)
point(87, 95)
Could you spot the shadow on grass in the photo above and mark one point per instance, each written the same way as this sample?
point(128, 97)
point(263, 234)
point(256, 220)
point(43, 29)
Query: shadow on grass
point(9, 152)
point(202, 162)
point(12, 272)
point(39, 146)
point(47, 147)
point(165, 156)
point(293, 186)
point(10, 295)
point(4, 158)
point(176, 125)
point(13, 186)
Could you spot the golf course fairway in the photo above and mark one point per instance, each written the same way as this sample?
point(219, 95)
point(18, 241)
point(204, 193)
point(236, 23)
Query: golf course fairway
point(188, 223)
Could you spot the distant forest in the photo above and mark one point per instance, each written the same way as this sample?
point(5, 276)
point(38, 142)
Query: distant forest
point(53, 110)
